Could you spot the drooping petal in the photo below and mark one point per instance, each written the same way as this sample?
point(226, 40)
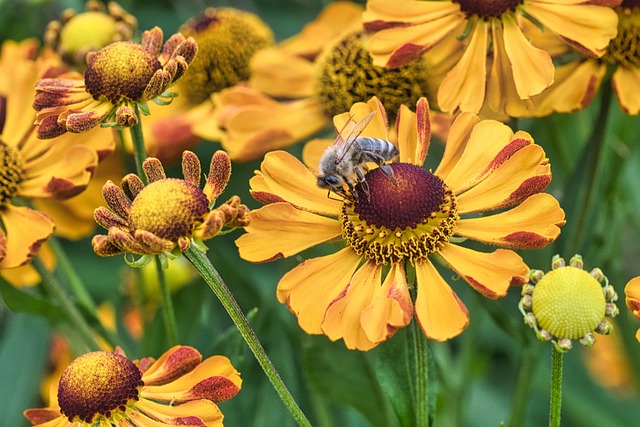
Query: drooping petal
point(491, 274)
point(282, 177)
point(280, 230)
point(173, 363)
point(312, 286)
point(438, 310)
point(626, 83)
point(414, 132)
point(26, 230)
point(532, 224)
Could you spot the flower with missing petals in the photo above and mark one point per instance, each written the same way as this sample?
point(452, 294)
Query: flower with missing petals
point(567, 303)
point(107, 389)
point(168, 215)
point(396, 228)
point(120, 78)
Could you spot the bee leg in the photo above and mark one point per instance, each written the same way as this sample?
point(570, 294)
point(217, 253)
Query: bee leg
point(388, 172)
point(363, 182)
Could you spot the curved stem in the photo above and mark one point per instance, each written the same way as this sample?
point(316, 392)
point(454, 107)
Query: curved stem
point(139, 150)
point(222, 292)
point(168, 314)
point(556, 387)
point(53, 286)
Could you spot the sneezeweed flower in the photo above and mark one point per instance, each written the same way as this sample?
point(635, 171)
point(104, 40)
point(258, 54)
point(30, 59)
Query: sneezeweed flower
point(567, 303)
point(407, 223)
point(107, 389)
point(498, 67)
point(120, 79)
point(77, 34)
point(632, 299)
point(168, 215)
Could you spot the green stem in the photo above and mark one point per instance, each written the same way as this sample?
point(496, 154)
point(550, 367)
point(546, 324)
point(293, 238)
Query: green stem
point(523, 386)
point(53, 286)
point(139, 150)
point(222, 292)
point(556, 387)
point(71, 277)
point(420, 361)
point(168, 314)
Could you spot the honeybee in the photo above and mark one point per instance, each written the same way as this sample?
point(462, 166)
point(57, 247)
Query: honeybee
point(344, 162)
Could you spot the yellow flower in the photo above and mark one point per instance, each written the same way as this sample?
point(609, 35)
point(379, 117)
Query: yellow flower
point(403, 224)
point(578, 81)
point(497, 67)
point(169, 214)
point(632, 299)
point(109, 91)
point(107, 389)
point(33, 169)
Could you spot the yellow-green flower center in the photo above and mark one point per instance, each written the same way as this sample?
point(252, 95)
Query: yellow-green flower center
point(10, 172)
point(87, 30)
point(168, 208)
point(347, 75)
point(121, 70)
point(487, 9)
point(624, 50)
point(568, 303)
point(227, 39)
point(407, 217)
point(97, 384)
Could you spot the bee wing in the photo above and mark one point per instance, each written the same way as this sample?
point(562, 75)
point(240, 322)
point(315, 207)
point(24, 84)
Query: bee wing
point(348, 134)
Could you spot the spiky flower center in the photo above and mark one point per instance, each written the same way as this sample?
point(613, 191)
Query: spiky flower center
point(347, 75)
point(10, 172)
point(624, 50)
point(119, 71)
point(97, 384)
point(407, 217)
point(487, 9)
point(568, 302)
point(88, 29)
point(227, 39)
point(168, 208)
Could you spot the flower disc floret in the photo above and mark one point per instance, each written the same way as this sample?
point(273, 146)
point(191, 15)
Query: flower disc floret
point(624, 50)
point(97, 384)
point(487, 9)
point(10, 172)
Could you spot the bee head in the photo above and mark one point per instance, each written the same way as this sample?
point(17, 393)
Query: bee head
point(329, 181)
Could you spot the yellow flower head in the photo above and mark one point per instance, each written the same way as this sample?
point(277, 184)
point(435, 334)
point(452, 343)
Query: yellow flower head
point(75, 35)
point(567, 303)
point(168, 214)
point(495, 66)
point(103, 388)
point(403, 220)
point(119, 78)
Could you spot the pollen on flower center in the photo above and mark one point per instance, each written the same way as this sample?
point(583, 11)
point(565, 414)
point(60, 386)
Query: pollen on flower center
point(168, 208)
point(624, 50)
point(121, 70)
point(486, 9)
point(10, 171)
point(408, 216)
point(96, 384)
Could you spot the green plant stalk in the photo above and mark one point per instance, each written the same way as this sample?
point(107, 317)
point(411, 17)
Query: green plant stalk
point(168, 314)
point(71, 277)
point(139, 150)
point(53, 286)
point(556, 387)
point(222, 292)
point(523, 386)
point(421, 365)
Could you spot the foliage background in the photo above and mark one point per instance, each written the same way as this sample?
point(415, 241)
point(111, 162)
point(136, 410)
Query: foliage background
point(478, 371)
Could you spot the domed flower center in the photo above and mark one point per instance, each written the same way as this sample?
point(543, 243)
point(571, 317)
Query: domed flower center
point(624, 50)
point(487, 9)
point(97, 384)
point(121, 70)
point(408, 216)
point(347, 75)
point(168, 208)
point(227, 39)
point(568, 302)
point(10, 172)
point(88, 30)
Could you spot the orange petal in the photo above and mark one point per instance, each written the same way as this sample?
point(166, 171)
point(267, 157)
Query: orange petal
point(632, 295)
point(464, 86)
point(280, 230)
point(378, 127)
point(27, 275)
point(438, 311)
point(626, 83)
point(457, 140)
point(491, 274)
point(26, 230)
point(153, 414)
point(533, 224)
point(313, 151)
point(311, 287)
point(178, 360)
point(282, 177)
point(414, 132)
point(279, 73)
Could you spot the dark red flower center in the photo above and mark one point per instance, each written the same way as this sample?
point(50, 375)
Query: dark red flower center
point(487, 9)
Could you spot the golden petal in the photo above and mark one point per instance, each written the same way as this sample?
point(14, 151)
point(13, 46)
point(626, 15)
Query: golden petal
point(626, 83)
point(26, 230)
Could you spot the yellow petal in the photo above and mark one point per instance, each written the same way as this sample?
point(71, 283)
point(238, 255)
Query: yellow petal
point(153, 414)
point(626, 83)
point(26, 230)
point(491, 274)
point(457, 140)
point(632, 295)
point(378, 126)
point(280, 230)
point(313, 151)
point(279, 73)
point(533, 224)
point(282, 177)
point(27, 275)
point(464, 86)
point(312, 286)
point(414, 132)
point(439, 312)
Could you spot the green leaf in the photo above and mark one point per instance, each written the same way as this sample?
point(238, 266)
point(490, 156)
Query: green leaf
point(27, 302)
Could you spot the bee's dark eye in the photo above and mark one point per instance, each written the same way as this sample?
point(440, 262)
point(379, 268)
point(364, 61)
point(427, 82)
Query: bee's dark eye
point(331, 180)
